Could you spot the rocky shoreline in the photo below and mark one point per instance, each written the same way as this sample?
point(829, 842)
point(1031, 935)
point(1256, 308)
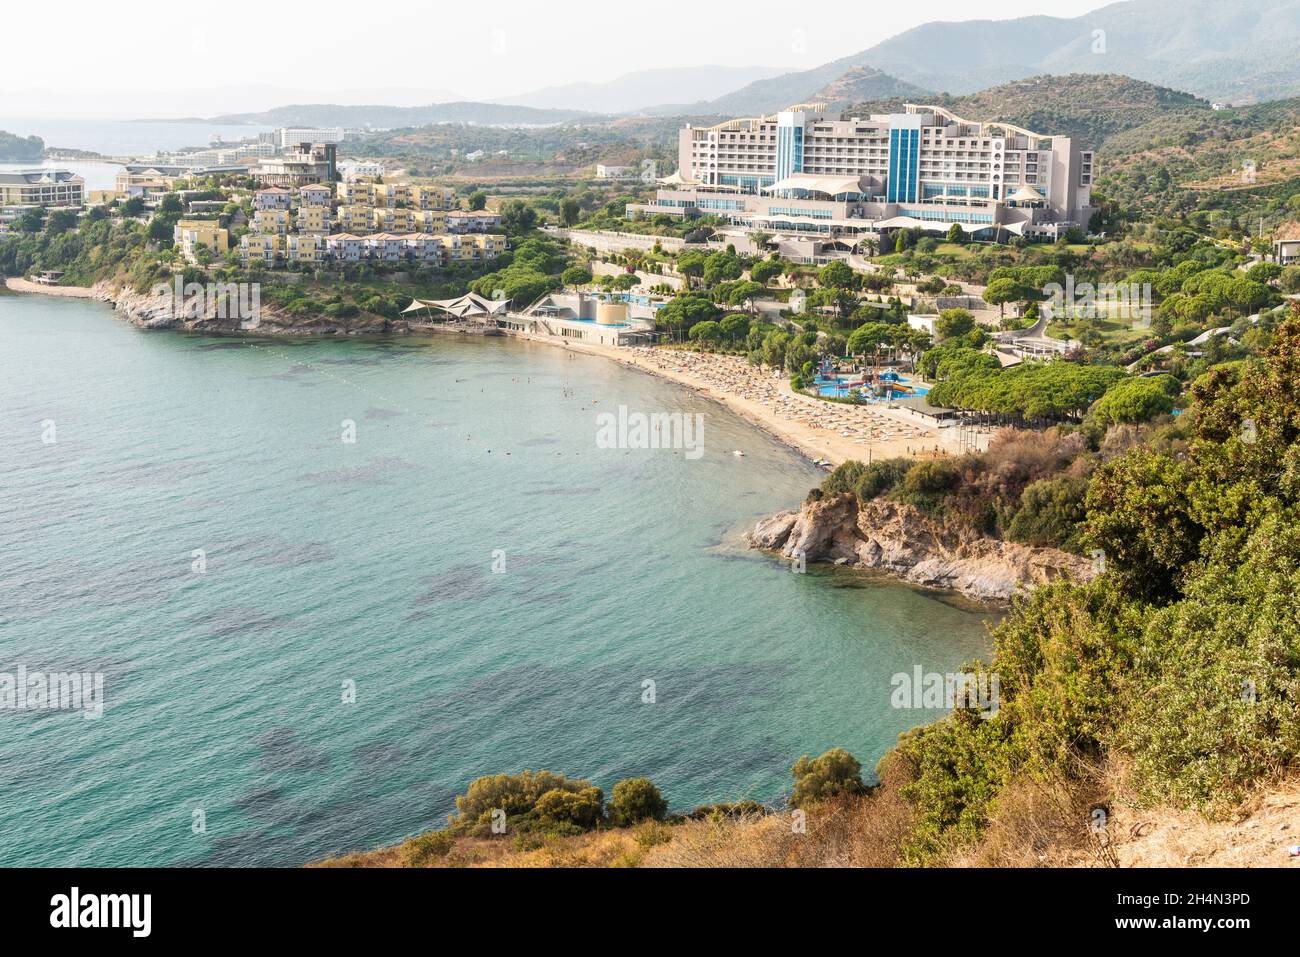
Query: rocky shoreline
point(150, 310)
point(897, 538)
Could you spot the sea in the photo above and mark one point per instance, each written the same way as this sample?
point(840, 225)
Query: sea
point(327, 583)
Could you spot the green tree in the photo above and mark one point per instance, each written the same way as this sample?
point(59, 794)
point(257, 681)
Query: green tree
point(954, 323)
point(576, 276)
point(518, 217)
point(1134, 400)
point(766, 270)
point(999, 292)
point(707, 333)
point(835, 275)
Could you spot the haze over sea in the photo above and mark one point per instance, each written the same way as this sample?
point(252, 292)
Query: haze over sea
point(329, 562)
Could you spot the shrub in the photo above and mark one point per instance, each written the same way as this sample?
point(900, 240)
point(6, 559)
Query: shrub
point(424, 850)
point(635, 800)
point(515, 794)
point(652, 834)
point(1050, 512)
point(844, 479)
point(579, 809)
point(834, 773)
point(925, 483)
point(879, 478)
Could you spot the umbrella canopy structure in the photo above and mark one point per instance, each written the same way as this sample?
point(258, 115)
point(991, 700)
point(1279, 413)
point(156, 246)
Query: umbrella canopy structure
point(470, 306)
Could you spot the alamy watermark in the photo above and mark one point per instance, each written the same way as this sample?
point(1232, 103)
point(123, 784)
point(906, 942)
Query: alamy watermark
point(213, 300)
point(25, 690)
point(938, 691)
point(651, 430)
point(1123, 301)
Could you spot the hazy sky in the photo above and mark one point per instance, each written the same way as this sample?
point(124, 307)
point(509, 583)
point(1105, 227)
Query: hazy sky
point(142, 58)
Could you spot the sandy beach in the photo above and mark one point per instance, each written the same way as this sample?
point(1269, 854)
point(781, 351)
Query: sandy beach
point(14, 284)
point(831, 431)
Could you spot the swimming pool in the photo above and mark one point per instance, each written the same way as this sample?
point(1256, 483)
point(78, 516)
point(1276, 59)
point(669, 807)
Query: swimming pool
point(839, 387)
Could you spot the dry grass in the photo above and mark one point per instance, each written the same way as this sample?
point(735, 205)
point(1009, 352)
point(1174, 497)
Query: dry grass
point(1035, 823)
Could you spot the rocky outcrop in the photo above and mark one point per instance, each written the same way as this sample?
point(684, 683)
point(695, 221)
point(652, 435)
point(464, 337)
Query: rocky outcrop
point(899, 539)
point(157, 310)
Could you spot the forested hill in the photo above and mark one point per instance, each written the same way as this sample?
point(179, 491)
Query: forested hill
point(20, 149)
point(1092, 108)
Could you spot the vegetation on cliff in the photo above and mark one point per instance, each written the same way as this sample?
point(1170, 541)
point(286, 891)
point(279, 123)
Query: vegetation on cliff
point(1181, 660)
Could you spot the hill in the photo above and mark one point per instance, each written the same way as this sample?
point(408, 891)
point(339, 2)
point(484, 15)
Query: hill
point(20, 149)
point(1225, 52)
point(864, 83)
point(644, 89)
point(1090, 108)
point(843, 80)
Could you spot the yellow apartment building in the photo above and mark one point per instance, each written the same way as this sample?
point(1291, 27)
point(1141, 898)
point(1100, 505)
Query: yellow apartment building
point(41, 187)
point(432, 197)
point(357, 193)
point(355, 219)
point(305, 248)
point(271, 221)
point(386, 220)
point(265, 248)
point(430, 220)
point(189, 234)
point(478, 247)
point(313, 219)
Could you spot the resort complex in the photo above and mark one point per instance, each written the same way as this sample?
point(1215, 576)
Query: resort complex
point(364, 220)
point(833, 181)
point(41, 187)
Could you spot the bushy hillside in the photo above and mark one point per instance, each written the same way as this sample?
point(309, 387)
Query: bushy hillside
point(1092, 108)
point(865, 83)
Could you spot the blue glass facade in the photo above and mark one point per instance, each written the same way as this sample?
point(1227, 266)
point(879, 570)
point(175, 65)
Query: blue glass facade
point(904, 165)
point(789, 150)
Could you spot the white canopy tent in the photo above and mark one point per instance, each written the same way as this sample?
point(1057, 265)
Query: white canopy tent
point(808, 182)
point(469, 306)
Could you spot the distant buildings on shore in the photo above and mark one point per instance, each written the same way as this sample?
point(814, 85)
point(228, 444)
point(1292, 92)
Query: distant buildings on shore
point(375, 222)
point(41, 187)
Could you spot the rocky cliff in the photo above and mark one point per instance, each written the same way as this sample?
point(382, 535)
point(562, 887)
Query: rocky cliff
point(899, 539)
point(157, 309)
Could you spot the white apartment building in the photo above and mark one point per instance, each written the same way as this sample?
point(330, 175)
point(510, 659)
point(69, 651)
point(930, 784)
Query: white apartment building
point(290, 137)
point(358, 168)
point(802, 172)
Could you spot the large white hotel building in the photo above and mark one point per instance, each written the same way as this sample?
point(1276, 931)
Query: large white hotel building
point(803, 174)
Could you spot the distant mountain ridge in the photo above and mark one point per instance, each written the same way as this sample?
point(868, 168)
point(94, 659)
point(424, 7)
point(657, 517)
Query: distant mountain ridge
point(334, 114)
point(1221, 51)
point(643, 89)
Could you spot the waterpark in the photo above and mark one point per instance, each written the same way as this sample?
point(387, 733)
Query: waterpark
point(864, 385)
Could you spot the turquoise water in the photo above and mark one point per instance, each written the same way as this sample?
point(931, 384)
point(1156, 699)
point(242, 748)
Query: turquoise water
point(371, 562)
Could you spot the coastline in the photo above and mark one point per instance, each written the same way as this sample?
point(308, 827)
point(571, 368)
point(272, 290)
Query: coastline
point(812, 442)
